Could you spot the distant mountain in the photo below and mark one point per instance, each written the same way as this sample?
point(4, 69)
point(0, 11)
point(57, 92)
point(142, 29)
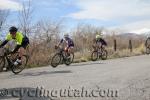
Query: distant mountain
point(131, 35)
point(142, 31)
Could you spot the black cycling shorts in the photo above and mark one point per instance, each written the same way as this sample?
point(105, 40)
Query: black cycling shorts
point(25, 42)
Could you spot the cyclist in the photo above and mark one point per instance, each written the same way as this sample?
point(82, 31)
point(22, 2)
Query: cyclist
point(99, 41)
point(70, 44)
point(21, 40)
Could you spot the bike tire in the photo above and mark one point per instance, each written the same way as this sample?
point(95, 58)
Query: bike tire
point(21, 67)
point(147, 45)
point(2, 63)
point(94, 56)
point(147, 42)
point(54, 64)
point(68, 62)
point(104, 54)
point(147, 51)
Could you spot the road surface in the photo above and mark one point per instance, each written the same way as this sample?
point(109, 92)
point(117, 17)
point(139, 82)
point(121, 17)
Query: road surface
point(127, 79)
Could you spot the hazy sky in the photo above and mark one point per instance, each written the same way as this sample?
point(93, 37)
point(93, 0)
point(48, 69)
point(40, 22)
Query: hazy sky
point(129, 15)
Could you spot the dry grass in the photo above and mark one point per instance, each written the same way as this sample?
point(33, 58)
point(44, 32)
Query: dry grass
point(41, 54)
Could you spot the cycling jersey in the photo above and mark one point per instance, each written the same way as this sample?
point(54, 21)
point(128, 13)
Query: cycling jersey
point(19, 38)
point(69, 42)
point(102, 41)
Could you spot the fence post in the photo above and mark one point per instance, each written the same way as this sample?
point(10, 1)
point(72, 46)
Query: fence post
point(115, 45)
point(130, 45)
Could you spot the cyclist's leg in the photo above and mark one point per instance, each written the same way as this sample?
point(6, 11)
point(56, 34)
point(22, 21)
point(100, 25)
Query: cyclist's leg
point(71, 49)
point(22, 49)
point(21, 52)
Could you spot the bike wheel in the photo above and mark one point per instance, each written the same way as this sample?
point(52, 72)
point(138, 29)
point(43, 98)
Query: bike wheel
point(94, 56)
point(147, 50)
point(147, 42)
point(69, 60)
point(2, 63)
point(56, 60)
point(104, 54)
point(147, 45)
point(20, 67)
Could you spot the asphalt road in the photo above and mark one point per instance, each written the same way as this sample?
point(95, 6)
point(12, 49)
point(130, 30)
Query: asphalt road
point(115, 79)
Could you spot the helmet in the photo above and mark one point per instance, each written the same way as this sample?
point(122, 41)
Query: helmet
point(66, 35)
point(98, 36)
point(13, 29)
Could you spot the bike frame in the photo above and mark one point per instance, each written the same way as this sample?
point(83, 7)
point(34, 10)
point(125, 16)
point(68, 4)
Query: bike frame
point(8, 60)
point(99, 50)
point(62, 53)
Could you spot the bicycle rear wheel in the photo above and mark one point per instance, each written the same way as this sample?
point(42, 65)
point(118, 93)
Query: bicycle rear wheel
point(104, 54)
point(94, 55)
point(69, 60)
point(20, 67)
point(56, 60)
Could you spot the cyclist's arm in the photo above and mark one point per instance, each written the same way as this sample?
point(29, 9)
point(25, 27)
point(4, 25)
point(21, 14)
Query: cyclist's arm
point(8, 37)
point(61, 41)
point(3, 43)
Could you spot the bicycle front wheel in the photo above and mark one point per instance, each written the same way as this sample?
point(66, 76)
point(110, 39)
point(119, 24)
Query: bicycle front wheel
point(147, 42)
point(56, 60)
point(20, 67)
point(147, 45)
point(94, 56)
point(147, 50)
point(2, 63)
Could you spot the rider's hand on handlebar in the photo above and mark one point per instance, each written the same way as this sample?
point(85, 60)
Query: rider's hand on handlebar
point(56, 46)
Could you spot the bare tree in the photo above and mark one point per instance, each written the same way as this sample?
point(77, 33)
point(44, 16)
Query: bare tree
point(48, 29)
point(3, 16)
point(25, 17)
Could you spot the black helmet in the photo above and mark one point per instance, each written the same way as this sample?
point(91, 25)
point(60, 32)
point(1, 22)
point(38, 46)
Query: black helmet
point(13, 29)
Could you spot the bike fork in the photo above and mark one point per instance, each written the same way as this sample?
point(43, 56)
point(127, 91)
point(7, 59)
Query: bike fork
point(10, 63)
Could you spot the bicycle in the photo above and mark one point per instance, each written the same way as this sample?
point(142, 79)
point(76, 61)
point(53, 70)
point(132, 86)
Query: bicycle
point(61, 57)
point(9, 59)
point(147, 45)
point(99, 52)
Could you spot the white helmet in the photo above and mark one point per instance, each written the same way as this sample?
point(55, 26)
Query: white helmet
point(66, 35)
point(98, 36)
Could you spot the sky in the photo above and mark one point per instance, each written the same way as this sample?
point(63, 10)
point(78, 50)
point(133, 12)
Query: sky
point(128, 15)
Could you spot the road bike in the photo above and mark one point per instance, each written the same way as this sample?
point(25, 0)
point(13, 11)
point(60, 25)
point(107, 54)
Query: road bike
point(99, 52)
point(8, 58)
point(61, 56)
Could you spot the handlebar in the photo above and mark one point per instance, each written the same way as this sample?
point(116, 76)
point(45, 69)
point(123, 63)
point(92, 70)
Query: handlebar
point(5, 51)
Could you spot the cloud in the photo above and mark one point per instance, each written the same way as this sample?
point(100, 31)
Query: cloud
point(111, 9)
point(10, 4)
point(137, 27)
point(132, 15)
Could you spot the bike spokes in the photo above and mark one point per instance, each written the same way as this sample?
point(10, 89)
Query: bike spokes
point(56, 60)
point(94, 55)
point(104, 55)
point(18, 68)
point(147, 50)
point(69, 59)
